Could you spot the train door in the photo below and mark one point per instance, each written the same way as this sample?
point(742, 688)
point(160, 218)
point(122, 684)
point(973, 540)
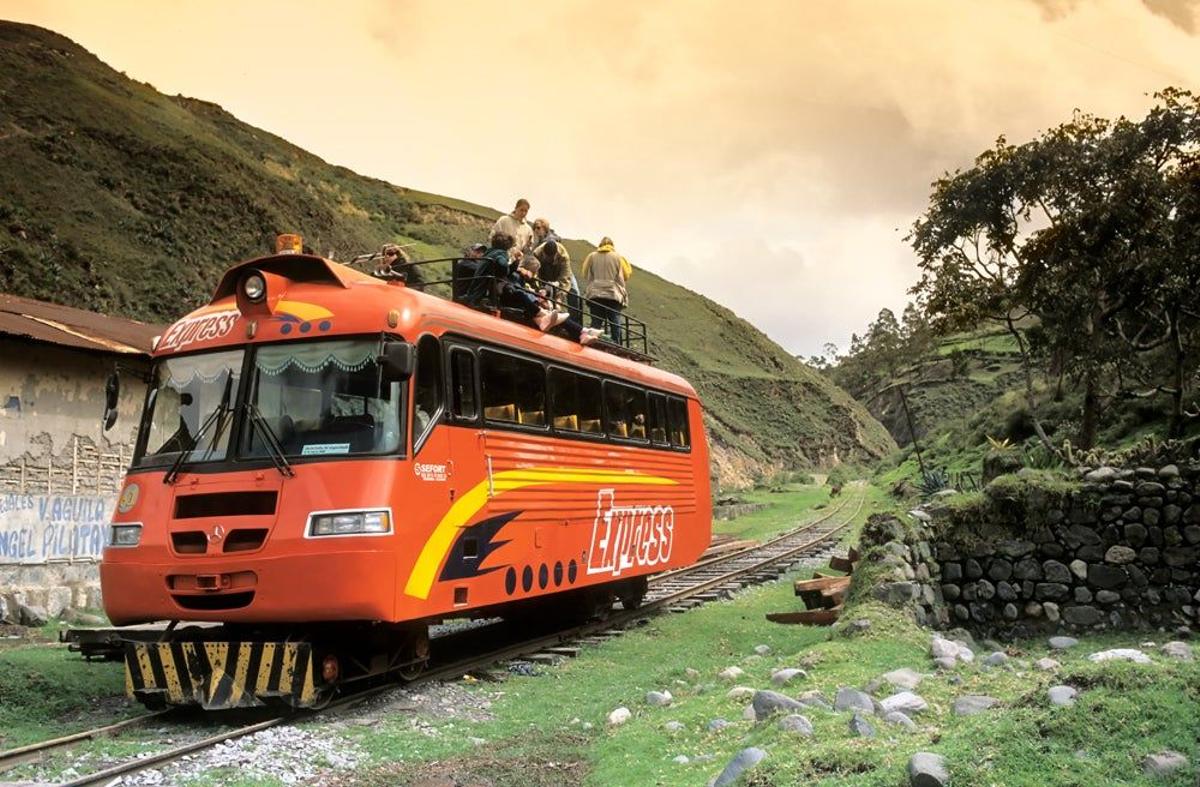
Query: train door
point(433, 461)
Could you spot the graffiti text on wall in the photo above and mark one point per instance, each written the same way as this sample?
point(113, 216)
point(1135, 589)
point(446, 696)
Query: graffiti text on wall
point(39, 528)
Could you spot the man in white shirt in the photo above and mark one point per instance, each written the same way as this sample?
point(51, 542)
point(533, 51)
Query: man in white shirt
point(514, 225)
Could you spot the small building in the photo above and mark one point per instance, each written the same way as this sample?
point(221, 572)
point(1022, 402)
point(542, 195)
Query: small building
point(60, 473)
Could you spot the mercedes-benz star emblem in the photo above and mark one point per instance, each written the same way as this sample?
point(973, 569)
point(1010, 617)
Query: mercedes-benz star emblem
point(217, 534)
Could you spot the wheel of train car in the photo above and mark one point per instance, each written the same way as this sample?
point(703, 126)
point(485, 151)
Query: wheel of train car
point(414, 653)
point(633, 594)
point(601, 604)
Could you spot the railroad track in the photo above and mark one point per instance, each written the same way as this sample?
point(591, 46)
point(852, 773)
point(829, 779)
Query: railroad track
point(674, 591)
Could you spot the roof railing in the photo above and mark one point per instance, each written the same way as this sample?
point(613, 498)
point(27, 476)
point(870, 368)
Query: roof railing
point(623, 335)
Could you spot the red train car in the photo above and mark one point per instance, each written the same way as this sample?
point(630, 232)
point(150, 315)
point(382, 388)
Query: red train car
point(328, 462)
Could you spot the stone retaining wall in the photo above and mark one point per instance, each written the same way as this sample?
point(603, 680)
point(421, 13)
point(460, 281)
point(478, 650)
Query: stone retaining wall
point(1119, 550)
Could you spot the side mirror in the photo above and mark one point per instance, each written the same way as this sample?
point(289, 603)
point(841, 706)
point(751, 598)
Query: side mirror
point(398, 361)
point(112, 394)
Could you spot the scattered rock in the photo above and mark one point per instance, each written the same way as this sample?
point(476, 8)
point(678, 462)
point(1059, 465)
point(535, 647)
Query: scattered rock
point(716, 725)
point(762, 650)
point(739, 693)
point(814, 699)
point(926, 769)
point(905, 702)
point(1120, 654)
point(675, 726)
point(1165, 763)
point(32, 616)
point(741, 762)
point(1178, 650)
point(903, 678)
point(853, 699)
point(658, 699)
point(860, 727)
point(797, 724)
point(1047, 665)
point(896, 717)
point(748, 713)
point(972, 704)
point(1062, 643)
point(997, 659)
point(860, 625)
point(1063, 696)
point(619, 716)
point(731, 673)
point(681, 759)
point(946, 662)
point(785, 676)
point(767, 702)
point(692, 674)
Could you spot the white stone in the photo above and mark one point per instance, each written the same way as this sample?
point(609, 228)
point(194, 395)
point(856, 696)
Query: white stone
point(1047, 665)
point(1062, 695)
point(739, 693)
point(1178, 650)
point(785, 676)
point(904, 678)
point(731, 673)
point(1120, 654)
point(619, 716)
point(906, 702)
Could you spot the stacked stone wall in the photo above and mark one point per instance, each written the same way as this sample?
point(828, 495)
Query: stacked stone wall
point(1119, 550)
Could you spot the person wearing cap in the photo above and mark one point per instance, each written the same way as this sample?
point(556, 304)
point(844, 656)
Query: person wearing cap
point(497, 275)
point(465, 268)
point(607, 275)
point(554, 267)
point(514, 225)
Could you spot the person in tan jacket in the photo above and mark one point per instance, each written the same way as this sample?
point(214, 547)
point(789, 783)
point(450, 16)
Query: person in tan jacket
point(606, 275)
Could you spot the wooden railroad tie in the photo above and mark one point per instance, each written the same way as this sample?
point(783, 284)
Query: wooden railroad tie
point(823, 595)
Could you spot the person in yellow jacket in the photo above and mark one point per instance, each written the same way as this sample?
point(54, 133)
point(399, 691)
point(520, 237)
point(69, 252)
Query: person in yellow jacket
point(606, 276)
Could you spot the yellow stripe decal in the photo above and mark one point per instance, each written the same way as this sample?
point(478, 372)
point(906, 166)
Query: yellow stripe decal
point(420, 579)
point(174, 686)
point(239, 677)
point(217, 652)
point(264, 670)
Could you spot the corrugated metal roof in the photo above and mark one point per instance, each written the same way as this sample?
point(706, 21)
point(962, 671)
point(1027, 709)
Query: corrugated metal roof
point(69, 327)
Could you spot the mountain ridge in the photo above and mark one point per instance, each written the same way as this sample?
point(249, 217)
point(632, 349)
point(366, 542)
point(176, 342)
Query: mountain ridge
point(123, 200)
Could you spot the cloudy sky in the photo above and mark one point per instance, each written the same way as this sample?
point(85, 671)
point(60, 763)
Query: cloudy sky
point(768, 154)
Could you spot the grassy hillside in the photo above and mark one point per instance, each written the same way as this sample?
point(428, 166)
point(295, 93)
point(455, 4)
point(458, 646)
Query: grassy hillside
point(117, 198)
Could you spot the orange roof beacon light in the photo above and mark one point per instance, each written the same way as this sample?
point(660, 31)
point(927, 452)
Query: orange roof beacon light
point(289, 243)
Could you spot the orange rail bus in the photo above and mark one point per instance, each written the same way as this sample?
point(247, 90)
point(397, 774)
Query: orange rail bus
point(327, 462)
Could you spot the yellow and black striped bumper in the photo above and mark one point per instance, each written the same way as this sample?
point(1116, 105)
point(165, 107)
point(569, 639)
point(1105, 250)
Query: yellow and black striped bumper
point(221, 675)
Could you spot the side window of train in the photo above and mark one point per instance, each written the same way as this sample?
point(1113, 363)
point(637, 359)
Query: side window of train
point(678, 418)
point(427, 389)
point(463, 402)
point(574, 402)
point(624, 411)
point(658, 419)
point(513, 389)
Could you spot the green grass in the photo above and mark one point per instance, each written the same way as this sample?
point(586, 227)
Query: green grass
point(45, 692)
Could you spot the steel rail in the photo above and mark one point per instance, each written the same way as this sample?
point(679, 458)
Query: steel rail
point(34, 752)
point(514, 651)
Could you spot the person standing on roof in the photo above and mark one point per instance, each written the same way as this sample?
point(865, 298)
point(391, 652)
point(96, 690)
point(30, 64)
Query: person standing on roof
point(514, 225)
point(606, 274)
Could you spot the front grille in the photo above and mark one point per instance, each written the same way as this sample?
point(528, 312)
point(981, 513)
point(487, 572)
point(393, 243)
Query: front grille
point(214, 602)
point(245, 539)
point(190, 542)
point(225, 504)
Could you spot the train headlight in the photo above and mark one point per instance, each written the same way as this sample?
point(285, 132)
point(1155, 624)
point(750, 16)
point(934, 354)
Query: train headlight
point(126, 535)
point(254, 287)
point(350, 523)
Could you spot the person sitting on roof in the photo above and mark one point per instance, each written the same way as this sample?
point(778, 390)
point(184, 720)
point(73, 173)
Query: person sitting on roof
point(543, 233)
point(498, 277)
point(554, 267)
point(396, 262)
point(464, 270)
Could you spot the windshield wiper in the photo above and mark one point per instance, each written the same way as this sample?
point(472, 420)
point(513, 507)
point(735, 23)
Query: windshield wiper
point(185, 451)
point(270, 440)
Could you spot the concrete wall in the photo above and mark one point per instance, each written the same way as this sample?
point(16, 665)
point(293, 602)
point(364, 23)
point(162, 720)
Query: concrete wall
point(60, 474)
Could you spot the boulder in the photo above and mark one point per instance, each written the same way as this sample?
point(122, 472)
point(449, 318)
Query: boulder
point(1164, 763)
point(906, 702)
point(1082, 615)
point(32, 616)
point(1120, 654)
point(659, 699)
point(903, 678)
point(619, 716)
point(1047, 665)
point(1063, 696)
point(716, 725)
point(739, 693)
point(1178, 650)
point(860, 727)
point(767, 702)
point(814, 699)
point(741, 762)
point(926, 769)
point(853, 699)
point(785, 676)
point(762, 650)
point(997, 659)
point(731, 673)
point(796, 723)
point(674, 726)
point(972, 704)
point(896, 717)
point(1063, 643)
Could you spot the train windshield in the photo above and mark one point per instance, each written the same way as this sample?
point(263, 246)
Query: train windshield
point(190, 408)
point(322, 398)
